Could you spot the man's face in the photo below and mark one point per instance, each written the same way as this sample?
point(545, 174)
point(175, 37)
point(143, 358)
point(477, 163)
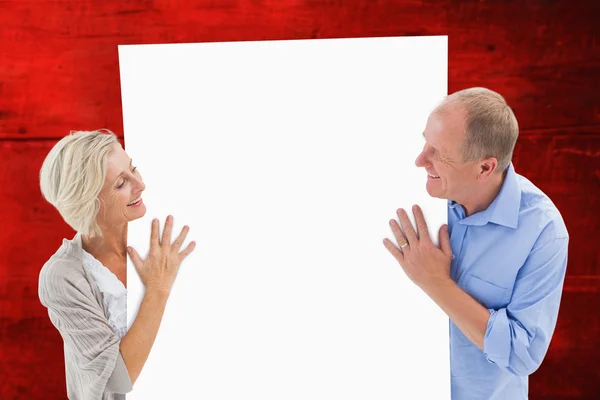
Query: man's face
point(448, 176)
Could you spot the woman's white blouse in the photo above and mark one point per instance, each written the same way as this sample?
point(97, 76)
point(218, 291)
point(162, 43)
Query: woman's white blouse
point(113, 291)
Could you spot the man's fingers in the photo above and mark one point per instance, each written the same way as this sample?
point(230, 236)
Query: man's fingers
point(400, 239)
point(409, 231)
point(394, 251)
point(445, 240)
point(421, 224)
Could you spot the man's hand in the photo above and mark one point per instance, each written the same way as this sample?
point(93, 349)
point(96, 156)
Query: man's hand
point(424, 263)
point(429, 268)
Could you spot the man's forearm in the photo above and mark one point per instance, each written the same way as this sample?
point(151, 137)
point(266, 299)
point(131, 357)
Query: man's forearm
point(466, 313)
point(137, 342)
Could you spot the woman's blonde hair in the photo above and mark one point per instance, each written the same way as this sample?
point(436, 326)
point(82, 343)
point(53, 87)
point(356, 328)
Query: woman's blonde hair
point(73, 174)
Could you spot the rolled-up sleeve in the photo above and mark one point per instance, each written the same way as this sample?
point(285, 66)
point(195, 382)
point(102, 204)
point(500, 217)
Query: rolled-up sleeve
point(518, 336)
point(94, 362)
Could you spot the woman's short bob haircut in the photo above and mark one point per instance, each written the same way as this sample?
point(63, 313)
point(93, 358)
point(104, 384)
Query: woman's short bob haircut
point(73, 174)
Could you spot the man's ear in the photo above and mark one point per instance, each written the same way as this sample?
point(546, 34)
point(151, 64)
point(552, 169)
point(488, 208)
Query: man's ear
point(487, 167)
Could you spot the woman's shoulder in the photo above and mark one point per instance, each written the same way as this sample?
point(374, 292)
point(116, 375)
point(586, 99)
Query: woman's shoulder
point(62, 273)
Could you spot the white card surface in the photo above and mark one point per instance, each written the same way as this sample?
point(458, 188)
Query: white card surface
point(287, 159)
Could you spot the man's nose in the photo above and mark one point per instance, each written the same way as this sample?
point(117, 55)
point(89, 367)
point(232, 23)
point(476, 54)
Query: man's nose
point(420, 160)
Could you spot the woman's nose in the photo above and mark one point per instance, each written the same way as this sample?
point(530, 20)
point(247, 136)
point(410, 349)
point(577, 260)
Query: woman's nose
point(141, 183)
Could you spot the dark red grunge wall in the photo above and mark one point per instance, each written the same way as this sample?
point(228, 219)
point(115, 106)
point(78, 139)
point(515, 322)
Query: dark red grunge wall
point(59, 72)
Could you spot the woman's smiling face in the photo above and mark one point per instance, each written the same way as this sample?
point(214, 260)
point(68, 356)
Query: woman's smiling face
point(120, 198)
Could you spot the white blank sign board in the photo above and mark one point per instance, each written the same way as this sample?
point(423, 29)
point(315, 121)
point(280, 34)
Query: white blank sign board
point(287, 159)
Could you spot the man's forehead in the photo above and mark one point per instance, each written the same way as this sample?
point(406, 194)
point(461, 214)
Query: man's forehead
point(446, 125)
point(443, 141)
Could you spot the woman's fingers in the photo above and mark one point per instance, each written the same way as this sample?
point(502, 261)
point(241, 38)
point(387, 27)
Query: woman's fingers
point(188, 250)
point(135, 258)
point(161, 267)
point(165, 243)
point(181, 238)
point(154, 243)
point(166, 239)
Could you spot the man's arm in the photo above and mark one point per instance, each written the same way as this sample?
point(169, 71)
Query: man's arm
point(466, 313)
point(516, 337)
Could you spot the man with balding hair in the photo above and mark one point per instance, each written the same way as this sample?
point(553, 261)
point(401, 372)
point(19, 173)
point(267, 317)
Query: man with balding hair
point(499, 271)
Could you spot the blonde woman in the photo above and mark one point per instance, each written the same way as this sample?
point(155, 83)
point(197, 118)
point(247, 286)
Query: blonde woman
point(90, 180)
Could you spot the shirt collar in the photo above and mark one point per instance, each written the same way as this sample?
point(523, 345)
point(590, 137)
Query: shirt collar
point(74, 246)
point(508, 201)
point(504, 210)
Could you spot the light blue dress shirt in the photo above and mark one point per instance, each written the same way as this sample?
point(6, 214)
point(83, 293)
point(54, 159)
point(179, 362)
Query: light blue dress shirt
point(512, 259)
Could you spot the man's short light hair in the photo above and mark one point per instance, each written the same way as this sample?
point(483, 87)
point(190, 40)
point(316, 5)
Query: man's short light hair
point(73, 174)
point(491, 128)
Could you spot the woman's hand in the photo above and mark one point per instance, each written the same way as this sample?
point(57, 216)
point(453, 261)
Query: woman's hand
point(158, 273)
point(159, 270)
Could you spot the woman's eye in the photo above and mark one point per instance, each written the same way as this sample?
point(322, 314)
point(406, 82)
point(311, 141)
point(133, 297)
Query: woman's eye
point(121, 185)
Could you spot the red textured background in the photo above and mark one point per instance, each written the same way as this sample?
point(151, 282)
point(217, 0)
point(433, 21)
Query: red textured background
point(59, 72)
